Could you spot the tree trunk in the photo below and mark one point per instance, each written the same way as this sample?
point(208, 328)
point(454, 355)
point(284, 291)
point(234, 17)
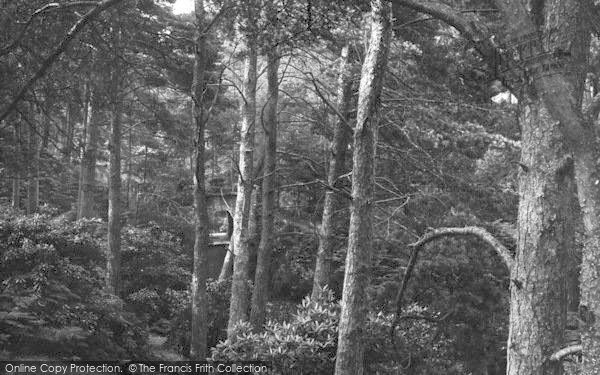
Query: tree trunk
point(16, 182)
point(90, 155)
point(114, 188)
point(33, 169)
point(545, 40)
point(338, 148)
point(538, 293)
point(198, 344)
point(238, 308)
point(69, 131)
point(564, 29)
point(263, 261)
point(350, 351)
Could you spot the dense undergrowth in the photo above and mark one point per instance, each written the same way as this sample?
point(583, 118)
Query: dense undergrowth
point(52, 304)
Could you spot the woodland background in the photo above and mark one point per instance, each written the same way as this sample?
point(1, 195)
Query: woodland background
point(136, 142)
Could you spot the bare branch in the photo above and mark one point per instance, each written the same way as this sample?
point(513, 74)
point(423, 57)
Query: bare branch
point(46, 8)
point(569, 350)
point(50, 60)
point(478, 232)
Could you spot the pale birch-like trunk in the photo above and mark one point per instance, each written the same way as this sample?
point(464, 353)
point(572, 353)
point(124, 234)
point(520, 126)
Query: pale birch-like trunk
point(350, 351)
point(198, 344)
point(90, 156)
point(263, 261)
point(338, 149)
point(114, 183)
point(238, 308)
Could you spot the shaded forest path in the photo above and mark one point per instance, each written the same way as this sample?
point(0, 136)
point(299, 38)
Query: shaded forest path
point(159, 349)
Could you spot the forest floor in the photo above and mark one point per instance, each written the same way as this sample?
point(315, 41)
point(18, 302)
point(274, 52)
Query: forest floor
point(159, 349)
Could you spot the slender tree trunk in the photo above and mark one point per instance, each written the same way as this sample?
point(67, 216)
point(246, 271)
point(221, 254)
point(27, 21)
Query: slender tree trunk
point(198, 345)
point(16, 182)
point(114, 188)
point(16, 191)
point(90, 156)
point(350, 351)
point(338, 148)
point(82, 144)
point(33, 183)
point(129, 169)
point(69, 131)
point(263, 261)
point(227, 267)
point(238, 308)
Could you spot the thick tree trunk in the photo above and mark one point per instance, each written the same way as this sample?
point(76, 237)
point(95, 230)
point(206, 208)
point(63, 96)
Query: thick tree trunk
point(114, 184)
point(349, 358)
point(338, 148)
point(263, 261)
point(238, 308)
point(564, 30)
point(198, 345)
point(538, 293)
point(90, 156)
point(552, 33)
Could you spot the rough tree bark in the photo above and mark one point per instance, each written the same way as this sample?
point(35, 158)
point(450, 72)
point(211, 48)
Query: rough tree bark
point(90, 156)
point(113, 264)
point(552, 31)
point(198, 344)
point(538, 293)
point(263, 261)
point(564, 28)
point(338, 148)
point(350, 351)
point(238, 308)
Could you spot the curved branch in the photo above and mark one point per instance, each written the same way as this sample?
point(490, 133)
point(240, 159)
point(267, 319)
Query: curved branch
point(478, 232)
point(467, 24)
point(569, 350)
point(50, 60)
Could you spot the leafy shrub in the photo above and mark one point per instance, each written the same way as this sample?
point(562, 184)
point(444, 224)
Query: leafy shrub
point(307, 344)
point(154, 264)
point(51, 299)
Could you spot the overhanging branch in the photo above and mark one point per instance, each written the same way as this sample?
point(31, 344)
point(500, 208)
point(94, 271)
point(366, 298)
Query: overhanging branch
point(478, 232)
point(50, 60)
